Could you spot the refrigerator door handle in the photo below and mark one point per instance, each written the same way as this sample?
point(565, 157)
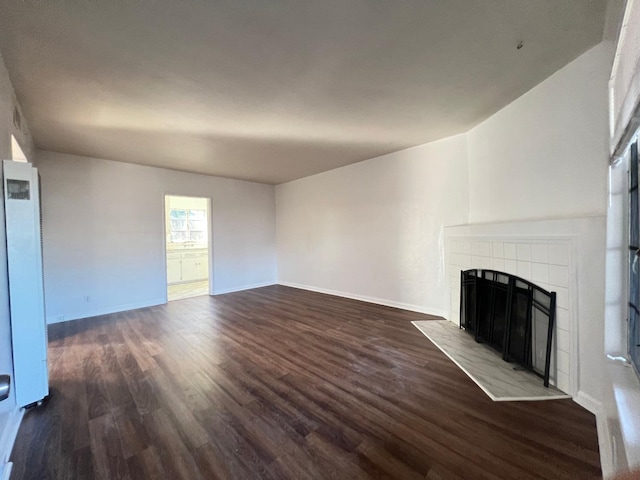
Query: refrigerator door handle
point(5, 386)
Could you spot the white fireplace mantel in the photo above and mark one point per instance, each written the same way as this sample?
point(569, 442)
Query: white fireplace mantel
point(560, 255)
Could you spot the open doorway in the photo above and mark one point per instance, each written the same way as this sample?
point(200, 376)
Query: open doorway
point(187, 246)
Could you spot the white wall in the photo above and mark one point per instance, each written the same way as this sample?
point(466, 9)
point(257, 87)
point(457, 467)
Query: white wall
point(545, 155)
point(7, 129)
point(373, 230)
point(103, 224)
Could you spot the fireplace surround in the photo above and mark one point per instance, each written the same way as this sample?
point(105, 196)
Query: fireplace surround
point(512, 315)
point(560, 255)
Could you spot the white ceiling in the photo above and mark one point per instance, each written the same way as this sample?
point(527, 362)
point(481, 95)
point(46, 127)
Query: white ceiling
point(276, 90)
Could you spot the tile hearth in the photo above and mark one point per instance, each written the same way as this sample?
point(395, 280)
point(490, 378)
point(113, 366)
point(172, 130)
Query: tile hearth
point(497, 378)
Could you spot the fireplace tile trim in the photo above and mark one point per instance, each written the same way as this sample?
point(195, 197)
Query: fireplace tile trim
point(549, 258)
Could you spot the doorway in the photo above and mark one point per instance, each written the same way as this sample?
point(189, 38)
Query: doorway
point(187, 246)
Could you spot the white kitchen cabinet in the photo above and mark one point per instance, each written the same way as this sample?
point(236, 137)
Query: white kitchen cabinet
point(202, 266)
point(174, 270)
point(189, 267)
point(183, 267)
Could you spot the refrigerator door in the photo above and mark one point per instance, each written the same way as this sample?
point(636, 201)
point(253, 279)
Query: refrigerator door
point(26, 289)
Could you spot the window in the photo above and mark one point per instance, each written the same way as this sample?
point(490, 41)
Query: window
point(17, 155)
point(188, 225)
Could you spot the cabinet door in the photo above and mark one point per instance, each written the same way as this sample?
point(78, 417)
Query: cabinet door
point(189, 268)
point(174, 270)
point(202, 265)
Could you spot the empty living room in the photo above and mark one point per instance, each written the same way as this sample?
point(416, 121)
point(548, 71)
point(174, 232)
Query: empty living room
point(312, 240)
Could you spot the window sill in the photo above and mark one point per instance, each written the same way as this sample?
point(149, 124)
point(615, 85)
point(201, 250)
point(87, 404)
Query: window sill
point(626, 394)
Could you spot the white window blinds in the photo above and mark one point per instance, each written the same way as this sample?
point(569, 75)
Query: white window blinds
point(624, 84)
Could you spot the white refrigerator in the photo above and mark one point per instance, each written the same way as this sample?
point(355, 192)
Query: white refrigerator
point(26, 284)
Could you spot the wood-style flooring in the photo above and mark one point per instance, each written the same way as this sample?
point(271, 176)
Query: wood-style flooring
point(280, 383)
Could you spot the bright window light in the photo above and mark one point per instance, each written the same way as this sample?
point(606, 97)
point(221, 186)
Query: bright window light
point(16, 152)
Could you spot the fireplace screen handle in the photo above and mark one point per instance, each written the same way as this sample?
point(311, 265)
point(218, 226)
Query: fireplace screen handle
point(5, 386)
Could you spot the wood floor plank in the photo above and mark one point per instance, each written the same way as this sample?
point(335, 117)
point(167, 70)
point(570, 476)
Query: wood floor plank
point(108, 461)
point(281, 383)
point(177, 461)
point(147, 464)
point(79, 464)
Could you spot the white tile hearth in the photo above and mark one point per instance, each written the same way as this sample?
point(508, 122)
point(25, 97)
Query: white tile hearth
point(497, 378)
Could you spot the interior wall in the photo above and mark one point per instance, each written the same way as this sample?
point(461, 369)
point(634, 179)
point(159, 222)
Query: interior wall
point(373, 230)
point(545, 155)
point(7, 128)
point(103, 228)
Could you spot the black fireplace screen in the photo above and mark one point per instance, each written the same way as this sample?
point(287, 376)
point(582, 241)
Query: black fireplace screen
point(510, 314)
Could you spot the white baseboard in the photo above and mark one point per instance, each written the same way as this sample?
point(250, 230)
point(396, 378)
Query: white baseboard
point(607, 454)
point(587, 401)
point(244, 287)
point(7, 439)
point(132, 306)
point(364, 298)
point(105, 311)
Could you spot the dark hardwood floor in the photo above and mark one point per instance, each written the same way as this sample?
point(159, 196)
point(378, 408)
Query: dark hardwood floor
point(282, 383)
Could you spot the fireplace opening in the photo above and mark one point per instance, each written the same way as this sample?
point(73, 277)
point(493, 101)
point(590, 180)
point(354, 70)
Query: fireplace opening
point(510, 314)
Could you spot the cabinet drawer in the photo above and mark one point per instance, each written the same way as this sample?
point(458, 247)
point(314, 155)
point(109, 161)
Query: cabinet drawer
point(173, 255)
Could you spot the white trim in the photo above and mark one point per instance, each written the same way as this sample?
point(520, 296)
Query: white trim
point(244, 287)
point(8, 439)
point(165, 274)
point(605, 444)
point(105, 311)
point(364, 298)
point(606, 441)
point(587, 401)
point(51, 319)
point(622, 414)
